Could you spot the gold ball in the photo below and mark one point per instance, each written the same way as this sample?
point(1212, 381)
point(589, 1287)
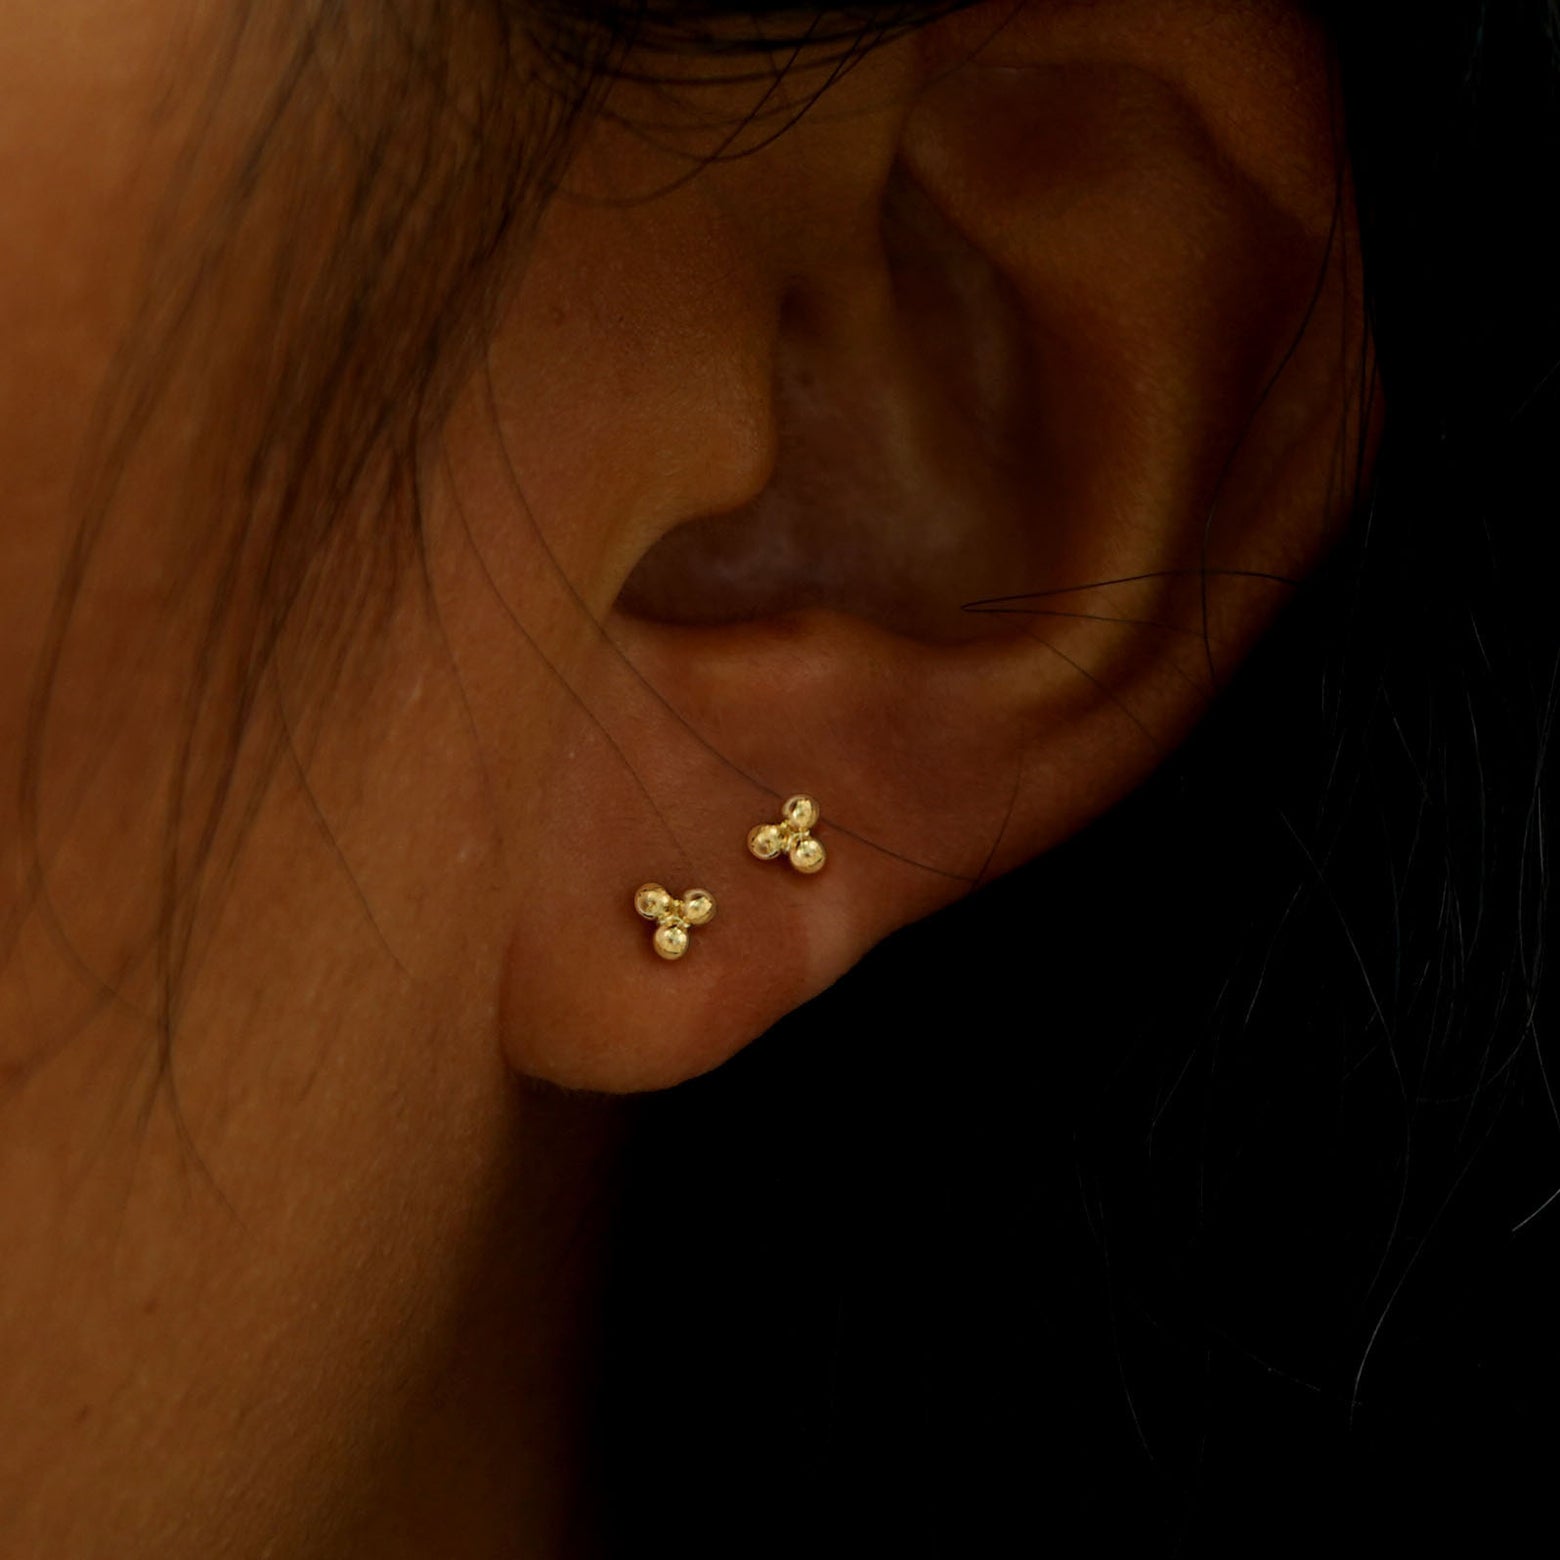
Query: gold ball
point(801, 812)
point(671, 942)
point(652, 901)
point(766, 841)
point(698, 907)
point(807, 855)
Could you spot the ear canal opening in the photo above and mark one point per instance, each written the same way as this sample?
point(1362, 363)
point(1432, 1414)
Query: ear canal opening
point(910, 473)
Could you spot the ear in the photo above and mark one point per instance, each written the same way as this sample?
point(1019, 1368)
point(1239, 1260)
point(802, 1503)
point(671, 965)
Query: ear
point(938, 459)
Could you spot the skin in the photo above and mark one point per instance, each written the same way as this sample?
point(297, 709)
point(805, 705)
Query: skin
point(698, 521)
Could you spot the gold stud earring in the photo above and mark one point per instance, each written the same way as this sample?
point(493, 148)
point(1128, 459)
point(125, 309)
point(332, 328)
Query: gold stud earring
point(791, 836)
point(673, 917)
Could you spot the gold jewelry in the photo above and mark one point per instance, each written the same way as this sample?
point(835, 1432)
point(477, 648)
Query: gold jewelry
point(674, 917)
point(791, 836)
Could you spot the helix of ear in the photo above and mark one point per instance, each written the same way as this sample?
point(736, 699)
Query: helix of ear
point(674, 918)
point(791, 837)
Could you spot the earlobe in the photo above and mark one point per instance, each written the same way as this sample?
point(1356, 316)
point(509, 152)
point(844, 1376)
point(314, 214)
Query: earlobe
point(1057, 419)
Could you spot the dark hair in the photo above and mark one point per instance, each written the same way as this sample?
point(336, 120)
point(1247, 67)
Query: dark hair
point(1208, 1201)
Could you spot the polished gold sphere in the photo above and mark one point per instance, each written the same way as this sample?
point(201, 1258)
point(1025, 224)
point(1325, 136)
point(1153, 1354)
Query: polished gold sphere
point(801, 812)
point(697, 907)
point(807, 855)
point(766, 841)
point(671, 940)
point(652, 901)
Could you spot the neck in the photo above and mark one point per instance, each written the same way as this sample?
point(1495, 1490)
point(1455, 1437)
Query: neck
point(378, 1339)
point(491, 1455)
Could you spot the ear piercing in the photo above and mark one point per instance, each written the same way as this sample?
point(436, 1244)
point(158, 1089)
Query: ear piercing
point(673, 917)
point(791, 836)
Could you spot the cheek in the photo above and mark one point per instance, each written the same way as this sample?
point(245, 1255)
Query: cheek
point(395, 797)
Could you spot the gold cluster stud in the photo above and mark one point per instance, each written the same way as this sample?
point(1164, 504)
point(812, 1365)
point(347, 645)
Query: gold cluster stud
point(673, 917)
point(791, 837)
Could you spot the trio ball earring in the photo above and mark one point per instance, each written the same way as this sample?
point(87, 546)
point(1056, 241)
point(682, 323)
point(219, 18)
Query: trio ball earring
point(674, 918)
point(791, 837)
